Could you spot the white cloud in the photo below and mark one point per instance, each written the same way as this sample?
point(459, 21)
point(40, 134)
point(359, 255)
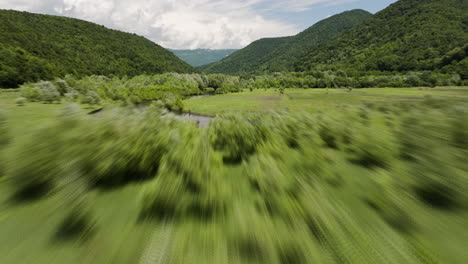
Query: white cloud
point(180, 23)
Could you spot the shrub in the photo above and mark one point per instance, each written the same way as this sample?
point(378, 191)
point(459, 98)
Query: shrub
point(20, 101)
point(173, 102)
point(188, 183)
point(235, 136)
point(372, 145)
point(48, 92)
point(77, 223)
point(31, 92)
point(73, 95)
point(62, 87)
point(91, 98)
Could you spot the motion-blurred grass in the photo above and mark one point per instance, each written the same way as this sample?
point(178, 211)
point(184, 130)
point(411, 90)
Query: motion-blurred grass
point(329, 187)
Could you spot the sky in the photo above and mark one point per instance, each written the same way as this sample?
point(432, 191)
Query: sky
point(192, 24)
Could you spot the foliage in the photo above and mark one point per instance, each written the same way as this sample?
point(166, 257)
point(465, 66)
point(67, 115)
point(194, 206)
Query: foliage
point(278, 54)
point(40, 47)
point(409, 35)
point(266, 187)
point(20, 101)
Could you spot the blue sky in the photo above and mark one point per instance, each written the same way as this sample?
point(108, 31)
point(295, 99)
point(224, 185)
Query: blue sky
point(191, 24)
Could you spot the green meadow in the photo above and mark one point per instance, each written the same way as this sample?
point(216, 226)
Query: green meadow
point(265, 100)
point(278, 188)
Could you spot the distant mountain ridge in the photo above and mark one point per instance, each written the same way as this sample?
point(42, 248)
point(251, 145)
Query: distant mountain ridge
point(199, 57)
point(35, 47)
point(279, 54)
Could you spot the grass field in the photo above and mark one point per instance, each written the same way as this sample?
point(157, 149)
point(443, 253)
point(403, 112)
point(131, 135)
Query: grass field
point(315, 99)
point(28, 230)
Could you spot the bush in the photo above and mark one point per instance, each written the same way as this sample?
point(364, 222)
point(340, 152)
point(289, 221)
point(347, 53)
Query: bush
point(62, 87)
point(91, 98)
point(235, 136)
point(188, 183)
point(48, 92)
point(372, 145)
point(20, 101)
point(173, 102)
point(78, 223)
point(31, 92)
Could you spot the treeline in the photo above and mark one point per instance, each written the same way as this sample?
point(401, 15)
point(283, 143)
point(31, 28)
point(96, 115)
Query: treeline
point(94, 90)
point(340, 79)
point(292, 170)
point(37, 47)
point(173, 87)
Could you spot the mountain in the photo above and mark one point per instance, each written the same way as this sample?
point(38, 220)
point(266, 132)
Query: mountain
point(408, 35)
point(279, 54)
point(34, 47)
point(247, 59)
point(199, 57)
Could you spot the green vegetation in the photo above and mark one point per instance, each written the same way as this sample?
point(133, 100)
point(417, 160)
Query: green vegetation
point(357, 183)
point(242, 60)
point(317, 100)
point(409, 35)
point(344, 144)
point(41, 47)
point(201, 57)
point(279, 54)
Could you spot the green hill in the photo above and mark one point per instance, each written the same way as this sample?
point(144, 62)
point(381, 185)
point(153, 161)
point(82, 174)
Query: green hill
point(408, 35)
point(247, 59)
point(34, 47)
point(279, 54)
point(199, 57)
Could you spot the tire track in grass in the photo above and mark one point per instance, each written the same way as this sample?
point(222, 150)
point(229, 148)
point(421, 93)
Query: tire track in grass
point(158, 245)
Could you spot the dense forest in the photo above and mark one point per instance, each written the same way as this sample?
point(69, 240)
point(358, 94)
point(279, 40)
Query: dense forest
point(35, 47)
point(408, 35)
point(278, 54)
point(199, 57)
point(248, 58)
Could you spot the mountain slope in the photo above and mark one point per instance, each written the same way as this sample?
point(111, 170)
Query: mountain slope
point(247, 59)
point(408, 35)
point(279, 54)
point(34, 47)
point(201, 57)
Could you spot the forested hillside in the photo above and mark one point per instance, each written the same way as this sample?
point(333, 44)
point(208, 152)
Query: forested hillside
point(247, 59)
point(34, 47)
point(279, 54)
point(410, 35)
point(199, 57)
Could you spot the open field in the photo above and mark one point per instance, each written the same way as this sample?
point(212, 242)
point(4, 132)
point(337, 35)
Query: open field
point(316, 99)
point(28, 229)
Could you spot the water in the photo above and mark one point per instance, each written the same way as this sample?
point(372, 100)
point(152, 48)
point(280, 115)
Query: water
point(202, 121)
